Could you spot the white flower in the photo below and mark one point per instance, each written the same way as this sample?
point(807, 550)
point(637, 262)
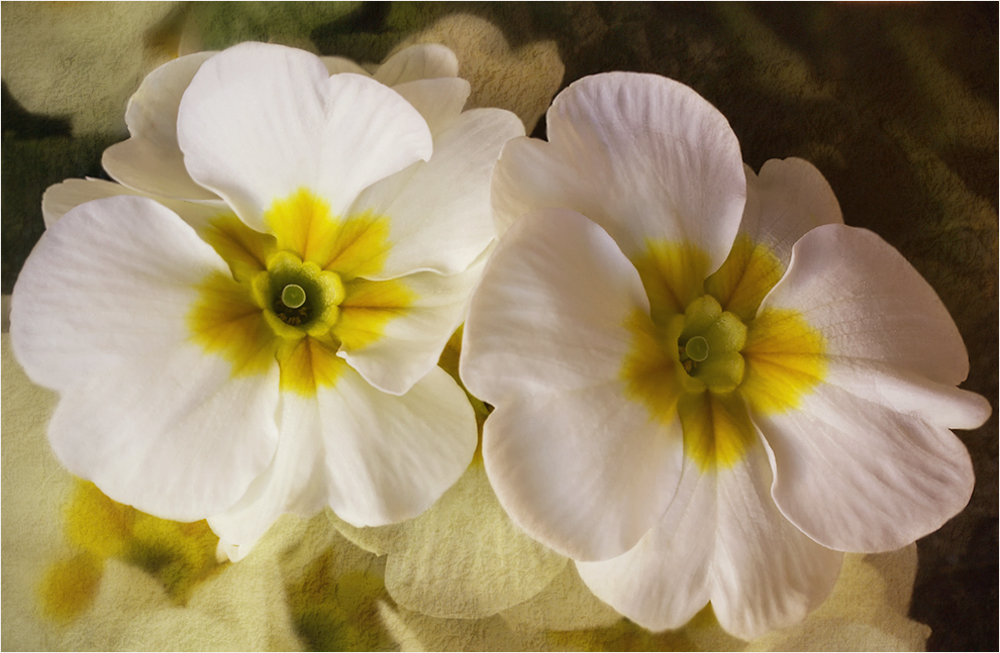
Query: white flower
point(706, 386)
point(275, 351)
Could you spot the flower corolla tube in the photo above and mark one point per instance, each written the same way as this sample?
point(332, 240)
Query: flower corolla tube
point(249, 323)
point(706, 386)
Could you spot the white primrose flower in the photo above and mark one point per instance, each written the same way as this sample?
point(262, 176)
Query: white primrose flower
point(272, 347)
point(150, 163)
point(706, 386)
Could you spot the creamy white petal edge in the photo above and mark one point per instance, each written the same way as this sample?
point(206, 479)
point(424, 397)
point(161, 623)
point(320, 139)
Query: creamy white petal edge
point(411, 343)
point(422, 61)
point(259, 122)
point(440, 217)
point(440, 566)
point(98, 314)
point(643, 156)
point(868, 463)
point(787, 199)
point(60, 198)
point(374, 458)
point(722, 540)
point(150, 160)
point(574, 462)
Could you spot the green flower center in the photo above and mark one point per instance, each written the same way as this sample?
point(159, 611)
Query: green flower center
point(695, 350)
point(297, 296)
point(709, 346)
point(293, 296)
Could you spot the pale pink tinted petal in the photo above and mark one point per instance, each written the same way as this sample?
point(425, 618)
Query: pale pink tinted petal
point(789, 198)
point(60, 198)
point(641, 155)
point(870, 303)
point(411, 343)
point(260, 122)
point(424, 61)
point(294, 481)
point(440, 216)
point(549, 314)
point(855, 475)
point(766, 574)
point(666, 578)
point(151, 160)
point(389, 457)
point(114, 279)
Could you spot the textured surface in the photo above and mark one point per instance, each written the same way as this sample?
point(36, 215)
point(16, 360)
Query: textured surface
point(895, 104)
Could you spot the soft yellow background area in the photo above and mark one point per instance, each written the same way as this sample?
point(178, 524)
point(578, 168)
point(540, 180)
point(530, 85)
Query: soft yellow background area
point(306, 587)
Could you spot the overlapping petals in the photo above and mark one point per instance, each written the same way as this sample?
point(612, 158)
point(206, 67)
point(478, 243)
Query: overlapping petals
point(151, 160)
point(804, 369)
point(190, 386)
point(895, 357)
point(620, 173)
point(306, 131)
point(560, 281)
point(99, 315)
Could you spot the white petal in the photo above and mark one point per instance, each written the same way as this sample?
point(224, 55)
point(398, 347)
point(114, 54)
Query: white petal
point(60, 198)
point(576, 463)
point(641, 155)
point(722, 539)
point(870, 303)
point(389, 458)
point(587, 472)
point(174, 435)
point(440, 216)
point(294, 481)
point(766, 573)
point(867, 610)
point(99, 313)
point(151, 160)
point(259, 122)
point(412, 342)
point(111, 281)
point(910, 394)
point(666, 578)
point(439, 101)
point(425, 61)
point(550, 310)
point(789, 198)
point(855, 475)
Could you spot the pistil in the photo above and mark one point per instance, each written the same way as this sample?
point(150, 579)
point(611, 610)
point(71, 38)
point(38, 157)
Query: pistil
point(293, 295)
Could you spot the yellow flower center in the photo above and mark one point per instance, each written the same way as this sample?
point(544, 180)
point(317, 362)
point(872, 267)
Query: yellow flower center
point(299, 294)
point(706, 355)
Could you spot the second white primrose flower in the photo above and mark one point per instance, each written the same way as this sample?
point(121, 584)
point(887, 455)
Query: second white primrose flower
point(273, 351)
point(706, 386)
